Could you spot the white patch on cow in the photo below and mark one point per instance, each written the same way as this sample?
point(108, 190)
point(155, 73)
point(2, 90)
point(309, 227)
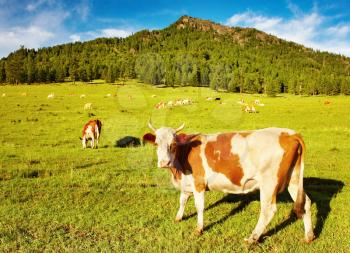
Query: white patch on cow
point(187, 183)
point(164, 137)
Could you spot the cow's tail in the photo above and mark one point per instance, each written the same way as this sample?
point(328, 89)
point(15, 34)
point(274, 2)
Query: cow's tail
point(300, 200)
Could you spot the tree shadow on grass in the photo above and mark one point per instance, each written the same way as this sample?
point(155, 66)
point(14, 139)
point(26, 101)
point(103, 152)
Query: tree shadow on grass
point(321, 192)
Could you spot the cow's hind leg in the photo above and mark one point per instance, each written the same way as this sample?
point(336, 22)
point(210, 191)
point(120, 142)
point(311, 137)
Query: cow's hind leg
point(183, 200)
point(268, 210)
point(293, 191)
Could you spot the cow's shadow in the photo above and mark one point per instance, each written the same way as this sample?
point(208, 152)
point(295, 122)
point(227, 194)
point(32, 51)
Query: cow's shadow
point(321, 191)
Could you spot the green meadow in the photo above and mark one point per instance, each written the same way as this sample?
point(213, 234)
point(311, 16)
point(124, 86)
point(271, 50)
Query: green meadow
point(57, 197)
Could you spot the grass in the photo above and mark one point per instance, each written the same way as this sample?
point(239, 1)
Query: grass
point(54, 196)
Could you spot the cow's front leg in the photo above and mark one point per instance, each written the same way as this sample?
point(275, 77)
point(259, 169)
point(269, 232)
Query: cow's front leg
point(83, 141)
point(183, 200)
point(268, 210)
point(199, 202)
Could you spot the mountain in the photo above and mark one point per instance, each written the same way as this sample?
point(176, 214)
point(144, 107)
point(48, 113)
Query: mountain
point(190, 51)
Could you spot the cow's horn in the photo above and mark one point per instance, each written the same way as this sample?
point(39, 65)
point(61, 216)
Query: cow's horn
point(151, 126)
point(180, 128)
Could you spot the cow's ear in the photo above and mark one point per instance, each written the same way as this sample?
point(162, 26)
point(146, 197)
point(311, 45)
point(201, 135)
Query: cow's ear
point(149, 138)
point(183, 139)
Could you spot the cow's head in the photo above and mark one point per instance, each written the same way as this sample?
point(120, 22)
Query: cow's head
point(166, 144)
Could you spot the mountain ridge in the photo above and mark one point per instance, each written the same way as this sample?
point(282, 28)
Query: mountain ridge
point(190, 51)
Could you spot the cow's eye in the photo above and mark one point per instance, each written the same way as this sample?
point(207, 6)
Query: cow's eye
point(172, 147)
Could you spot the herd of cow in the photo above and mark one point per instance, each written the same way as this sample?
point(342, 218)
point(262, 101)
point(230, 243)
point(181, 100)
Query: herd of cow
point(269, 160)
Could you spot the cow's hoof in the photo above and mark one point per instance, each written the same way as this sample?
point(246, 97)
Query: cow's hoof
point(198, 231)
point(178, 219)
point(253, 239)
point(309, 237)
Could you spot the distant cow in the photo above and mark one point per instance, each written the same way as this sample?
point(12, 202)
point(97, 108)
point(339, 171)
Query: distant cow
point(270, 160)
point(91, 132)
point(257, 102)
point(51, 95)
point(88, 106)
point(241, 102)
point(128, 141)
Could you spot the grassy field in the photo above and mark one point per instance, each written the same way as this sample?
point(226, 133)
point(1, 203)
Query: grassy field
point(55, 196)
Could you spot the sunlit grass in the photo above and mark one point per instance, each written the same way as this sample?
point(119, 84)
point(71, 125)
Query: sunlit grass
point(55, 196)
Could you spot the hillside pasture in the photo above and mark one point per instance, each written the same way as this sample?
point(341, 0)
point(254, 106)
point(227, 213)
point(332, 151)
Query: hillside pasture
point(55, 196)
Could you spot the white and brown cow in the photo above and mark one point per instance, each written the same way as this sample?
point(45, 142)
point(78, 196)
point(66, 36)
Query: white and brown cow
point(92, 132)
point(270, 160)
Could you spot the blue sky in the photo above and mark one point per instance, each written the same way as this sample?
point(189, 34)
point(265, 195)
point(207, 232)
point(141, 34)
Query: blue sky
point(321, 24)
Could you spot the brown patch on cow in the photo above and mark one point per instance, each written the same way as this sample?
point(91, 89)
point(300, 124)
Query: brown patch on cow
point(290, 145)
point(195, 160)
point(294, 147)
point(244, 134)
point(186, 150)
point(93, 123)
point(221, 159)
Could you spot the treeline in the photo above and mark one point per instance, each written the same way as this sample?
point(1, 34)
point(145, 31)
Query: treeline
point(187, 56)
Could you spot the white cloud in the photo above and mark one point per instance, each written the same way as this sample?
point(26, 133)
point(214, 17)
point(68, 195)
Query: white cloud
point(75, 37)
point(309, 29)
point(339, 30)
point(30, 37)
point(83, 9)
point(110, 32)
point(34, 5)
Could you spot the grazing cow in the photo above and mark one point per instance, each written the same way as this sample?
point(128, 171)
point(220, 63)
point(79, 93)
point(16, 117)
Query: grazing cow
point(51, 95)
point(88, 106)
point(170, 103)
point(241, 102)
point(257, 102)
point(270, 159)
point(160, 105)
point(249, 108)
point(92, 131)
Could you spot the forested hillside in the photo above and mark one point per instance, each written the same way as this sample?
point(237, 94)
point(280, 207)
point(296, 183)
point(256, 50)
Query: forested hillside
point(189, 52)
